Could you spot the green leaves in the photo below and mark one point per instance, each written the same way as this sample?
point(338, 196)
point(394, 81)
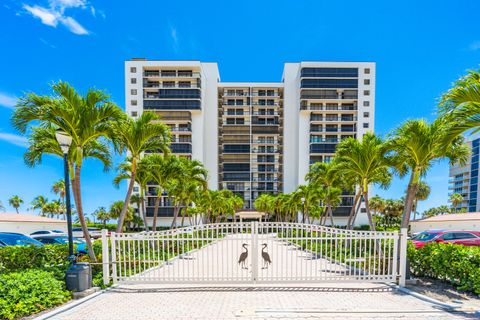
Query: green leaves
point(456, 264)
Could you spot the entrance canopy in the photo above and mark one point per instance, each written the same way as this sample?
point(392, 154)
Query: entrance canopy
point(250, 215)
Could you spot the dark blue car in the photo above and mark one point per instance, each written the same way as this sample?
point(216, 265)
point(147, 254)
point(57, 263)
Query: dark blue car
point(52, 239)
point(17, 239)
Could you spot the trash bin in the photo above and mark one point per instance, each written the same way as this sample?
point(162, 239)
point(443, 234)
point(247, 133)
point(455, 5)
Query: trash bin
point(79, 277)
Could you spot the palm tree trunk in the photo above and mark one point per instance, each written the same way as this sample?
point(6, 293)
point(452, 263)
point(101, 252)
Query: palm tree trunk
point(155, 211)
point(411, 192)
point(353, 211)
point(330, 213)
point(175, 215)
point(182, 212)
point(142, 208)
point(77, 196)
point(123, 213)
point(369, 214)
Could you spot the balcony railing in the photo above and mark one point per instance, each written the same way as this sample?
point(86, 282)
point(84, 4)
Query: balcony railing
point(265, 151)
point(336, 119)
point(177, 129)
point(160, 86)
point(171, 74)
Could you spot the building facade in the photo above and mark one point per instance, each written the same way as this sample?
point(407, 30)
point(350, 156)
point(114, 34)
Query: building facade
point(464, 178)
point(255, 137)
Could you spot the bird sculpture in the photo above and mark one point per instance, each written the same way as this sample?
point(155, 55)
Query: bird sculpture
point(243, 257)
point(266, 257)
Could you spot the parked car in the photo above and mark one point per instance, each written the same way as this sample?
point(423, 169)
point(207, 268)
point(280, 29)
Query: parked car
point(95, 233)
point(55, 239)
point(467, 238)
point(17, 239)
point(45, 232)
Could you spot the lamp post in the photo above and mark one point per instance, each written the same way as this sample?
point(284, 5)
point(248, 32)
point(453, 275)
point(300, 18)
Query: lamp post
point(64, 140)
point(303, 209)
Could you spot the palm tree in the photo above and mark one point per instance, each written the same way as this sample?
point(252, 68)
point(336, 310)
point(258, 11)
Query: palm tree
point(262, 203)
point(58, 188)
point(116, 210)
point(377, 204)
point(38, 203)
point(309, 195)
point(163, 170)
point(85, 118)
point(2, 208)
point(456, 199)
point(137, 136)
point(365, 161)
point(461, 104)
point(16, 202)
point(417, 145)
point(137, 200)
point(103, 215)
point(423, 192)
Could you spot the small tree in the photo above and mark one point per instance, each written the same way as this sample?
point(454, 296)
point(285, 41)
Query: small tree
point(102, 215)
point(456, 199)
point(15, 202)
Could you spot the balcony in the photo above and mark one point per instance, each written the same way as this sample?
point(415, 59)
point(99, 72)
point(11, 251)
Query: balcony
point(172, 104)
point(235, 94)
point(176, 86)
point(181, 129)
point(181, 147)
point(265, 150)
point(265, 123)
point(332, 119)
point(171, 74)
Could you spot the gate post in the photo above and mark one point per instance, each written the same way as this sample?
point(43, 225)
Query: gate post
point(114, 257)
point(254, 226)
point(105, 256)
point(403, 257)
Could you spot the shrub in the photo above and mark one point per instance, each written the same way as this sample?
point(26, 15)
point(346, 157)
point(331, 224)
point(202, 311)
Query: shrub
point(48, 257)
point(27, 292)
point(456, 264)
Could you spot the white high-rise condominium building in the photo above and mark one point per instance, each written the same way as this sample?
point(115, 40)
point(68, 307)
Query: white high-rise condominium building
point(255, 137)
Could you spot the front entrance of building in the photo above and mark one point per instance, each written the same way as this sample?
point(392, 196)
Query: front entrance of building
point(252, 252)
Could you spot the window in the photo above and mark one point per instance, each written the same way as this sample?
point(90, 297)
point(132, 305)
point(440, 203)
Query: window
point(365, 125)
point(134, 113)
point(133, 92)
point(366, 70)
point(133, 80)
point(463, 235)
point(366, 114)
point(133, 69)
point(366, 103)
point(447, 236)
point(133, 102)
point(366, 92)
point(366, 81)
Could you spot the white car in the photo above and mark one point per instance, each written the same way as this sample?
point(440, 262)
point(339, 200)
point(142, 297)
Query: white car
point(95, 233)
point(42, 233)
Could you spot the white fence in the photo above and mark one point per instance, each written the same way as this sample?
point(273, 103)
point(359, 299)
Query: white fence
point(254, 252)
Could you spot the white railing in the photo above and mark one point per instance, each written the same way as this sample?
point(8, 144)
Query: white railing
point(255, 252)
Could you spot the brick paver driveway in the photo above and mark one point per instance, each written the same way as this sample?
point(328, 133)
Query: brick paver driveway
point(365, 301)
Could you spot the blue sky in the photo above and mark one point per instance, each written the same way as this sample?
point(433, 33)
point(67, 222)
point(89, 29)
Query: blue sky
point(420, 48)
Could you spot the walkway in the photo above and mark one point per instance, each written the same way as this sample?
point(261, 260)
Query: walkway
point(349, 302)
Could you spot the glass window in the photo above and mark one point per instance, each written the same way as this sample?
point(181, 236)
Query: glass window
point(366, 70)
point(366, 114)
point(366, 92)
point(365, 125)
point(133, 80)
point(133, 69)
point(133, 102)
point(133, 92)
point(366, 81)
point(366, 103)
point(463, 235)
point(447, 236)
point(134, 113)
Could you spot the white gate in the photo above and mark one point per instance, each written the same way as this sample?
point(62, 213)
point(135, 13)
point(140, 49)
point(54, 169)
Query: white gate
point(252, 252)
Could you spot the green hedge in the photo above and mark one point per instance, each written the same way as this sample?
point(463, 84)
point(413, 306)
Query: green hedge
point(28, 292)
point(456, 264)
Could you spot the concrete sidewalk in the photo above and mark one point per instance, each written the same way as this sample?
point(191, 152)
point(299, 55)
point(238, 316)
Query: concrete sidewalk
point(362, 301)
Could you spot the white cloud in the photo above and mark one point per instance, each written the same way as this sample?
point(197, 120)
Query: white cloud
point(7, 100)
point(13, 139)
point(474, 46)
point(55, 14)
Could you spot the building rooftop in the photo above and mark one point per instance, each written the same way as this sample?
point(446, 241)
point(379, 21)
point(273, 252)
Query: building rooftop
point(22, 217)
point(453, 217)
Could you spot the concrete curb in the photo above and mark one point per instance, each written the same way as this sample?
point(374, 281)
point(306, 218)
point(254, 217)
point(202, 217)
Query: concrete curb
point(70, 305)
point(443, 305)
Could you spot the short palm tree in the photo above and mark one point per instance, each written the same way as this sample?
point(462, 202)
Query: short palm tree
point(367, 163)
point(38, 203)
point(377, 204)
point(262, 203)
point(423, 192)
point(137, 136)
point(15, 202)
point(116, 209)
point(456, 199)
point(309, 195)
point(417, 145)
point(102, 215)
point(88, 119)
point(58, 188)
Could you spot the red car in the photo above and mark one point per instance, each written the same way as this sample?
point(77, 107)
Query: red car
point(467, 238)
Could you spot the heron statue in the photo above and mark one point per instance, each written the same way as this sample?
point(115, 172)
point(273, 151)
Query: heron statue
point(243, 257)
point(266, 257)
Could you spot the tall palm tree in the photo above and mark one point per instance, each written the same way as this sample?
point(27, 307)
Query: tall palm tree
point(461, 104)
point(365, 161)
point(38, 203)
point(417, 145)
point(15, 202)
point(423, 192)
point(87, 119)
point(326, 177)
point(456, 199)
point(162, 169)
point(310, 196)
point(262, 203)
point(137, 136)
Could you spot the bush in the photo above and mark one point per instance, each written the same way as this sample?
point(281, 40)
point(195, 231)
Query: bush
point(456, 264)
point(48, 257)
point(27, 292)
